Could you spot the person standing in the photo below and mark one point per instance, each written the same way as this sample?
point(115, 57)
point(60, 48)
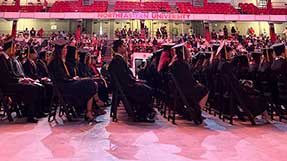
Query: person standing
point(225, 30)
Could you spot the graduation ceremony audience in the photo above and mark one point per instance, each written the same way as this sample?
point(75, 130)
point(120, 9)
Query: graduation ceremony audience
point(233, 74)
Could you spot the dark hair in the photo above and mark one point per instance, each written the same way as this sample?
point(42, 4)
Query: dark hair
point(116, 44)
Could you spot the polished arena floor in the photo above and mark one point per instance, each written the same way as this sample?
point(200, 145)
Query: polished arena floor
point(129, 141)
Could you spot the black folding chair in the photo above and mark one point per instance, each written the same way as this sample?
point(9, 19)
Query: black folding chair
point(119, 95)
point(15, 105)
point(281, 107)
point(60, 105)
point(179, 95)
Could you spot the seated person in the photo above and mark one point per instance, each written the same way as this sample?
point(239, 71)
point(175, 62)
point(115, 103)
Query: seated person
point(279, 73)
point(196, 93)
point(71, 60)
point(23, 87)
point(84, 71)
point(41, 64)
point(136, 91)
point(78, 92)
point(31, 70)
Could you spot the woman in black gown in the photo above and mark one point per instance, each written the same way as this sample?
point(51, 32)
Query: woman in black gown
point(78, 92)
point(84, 71)
point(196, 93)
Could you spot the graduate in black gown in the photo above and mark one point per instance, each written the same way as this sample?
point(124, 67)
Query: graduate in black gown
point(279, 70)
point(135, 90)
point(41, 64)
point(266, 83)
point(79, 92)
point(71, 61)
point(253, 68)
point(31, 70)
point(22, 87)
point(248, 99)
point(84, 71)
point(196, 93)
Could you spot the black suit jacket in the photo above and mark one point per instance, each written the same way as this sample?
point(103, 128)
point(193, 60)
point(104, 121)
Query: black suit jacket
point(30, 69)
point(6, 73)
point(119, 67)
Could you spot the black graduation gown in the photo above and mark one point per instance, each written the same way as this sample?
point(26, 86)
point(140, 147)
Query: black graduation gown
point(31, 70)
point(279, 71)
point(253, 74)
point(78, 92)
point(42, 68)
point(72, 68)
point(193, 90)
point(85, 71)
point(266, 82)
point(9, 83)
point(248, 99)
point(136, 92)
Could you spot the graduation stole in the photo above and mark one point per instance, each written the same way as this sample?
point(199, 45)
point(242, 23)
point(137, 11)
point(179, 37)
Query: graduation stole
point(66, 69)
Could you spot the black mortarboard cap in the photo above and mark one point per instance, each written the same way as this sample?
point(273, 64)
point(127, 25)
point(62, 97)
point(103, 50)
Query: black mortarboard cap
point(167, 46)
point(215, 47)
point(7, 44)
point(207, 55)
point(278, 49)
point(83, 53)
point(32, 50)
point(179, 50)
point(256, 56)
point(267, 52)
point(59, 45)
point(44, 43)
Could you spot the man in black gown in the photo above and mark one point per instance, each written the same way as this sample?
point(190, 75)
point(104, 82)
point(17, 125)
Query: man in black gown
point(24, 88)
point(135, 90)
point(31, 70)
point(279, 70)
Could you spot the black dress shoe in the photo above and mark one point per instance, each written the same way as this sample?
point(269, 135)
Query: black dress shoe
point(32, 120)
